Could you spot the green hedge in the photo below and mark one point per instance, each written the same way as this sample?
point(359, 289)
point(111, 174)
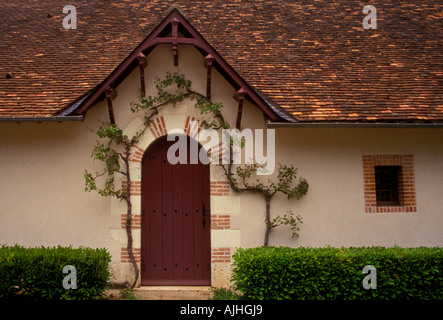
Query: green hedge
point(37, 273)
point(329, 273)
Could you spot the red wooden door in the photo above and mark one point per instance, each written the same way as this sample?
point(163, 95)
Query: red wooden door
point(175, 239)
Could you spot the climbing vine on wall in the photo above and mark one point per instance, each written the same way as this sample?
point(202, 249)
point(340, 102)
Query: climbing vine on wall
point(114, 150)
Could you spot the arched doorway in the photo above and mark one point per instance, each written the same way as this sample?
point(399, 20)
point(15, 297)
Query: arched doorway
point(175, 227)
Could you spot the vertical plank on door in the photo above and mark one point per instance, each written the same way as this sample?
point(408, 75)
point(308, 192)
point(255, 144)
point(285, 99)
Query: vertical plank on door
point(188, 226)
point(197, 205)
point(206, 233)
point(155, 213)
point(177, 207)
point(167, 218)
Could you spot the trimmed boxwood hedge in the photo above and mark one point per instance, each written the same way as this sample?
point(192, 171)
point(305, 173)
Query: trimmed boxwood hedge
point(37, 273)
point(277, 273)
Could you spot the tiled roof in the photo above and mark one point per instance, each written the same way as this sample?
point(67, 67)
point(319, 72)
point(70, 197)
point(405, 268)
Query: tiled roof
point(311, 57)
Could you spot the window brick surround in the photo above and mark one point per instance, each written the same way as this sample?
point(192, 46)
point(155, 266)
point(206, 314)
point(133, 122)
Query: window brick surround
point(406, 183)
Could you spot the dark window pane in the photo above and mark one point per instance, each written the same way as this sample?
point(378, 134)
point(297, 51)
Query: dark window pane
point(386, 185)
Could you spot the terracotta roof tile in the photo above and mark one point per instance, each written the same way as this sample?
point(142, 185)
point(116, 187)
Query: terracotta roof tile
point(312, 58)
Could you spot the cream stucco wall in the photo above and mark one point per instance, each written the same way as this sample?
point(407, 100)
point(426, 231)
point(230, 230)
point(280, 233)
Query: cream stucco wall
point(333, 209)
point(43, 201)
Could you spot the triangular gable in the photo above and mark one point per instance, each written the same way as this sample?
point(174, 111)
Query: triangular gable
point(168, 32)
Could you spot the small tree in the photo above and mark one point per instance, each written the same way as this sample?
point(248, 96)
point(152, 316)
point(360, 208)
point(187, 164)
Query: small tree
point(109, 154)
point(116, 150)
point(287, 184)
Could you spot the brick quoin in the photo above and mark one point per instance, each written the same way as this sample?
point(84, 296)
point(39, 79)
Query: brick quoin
point(135, 221)
point(188, 127)
point(221, 255)
point(220, 221)
point(220, 188)
point(125, 256)
point(136, 187)
point(406, 182)
point(136, 154)
point(158, 127)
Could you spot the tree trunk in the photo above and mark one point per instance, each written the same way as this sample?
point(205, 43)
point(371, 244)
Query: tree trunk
point(129, 218)
point(267, 220)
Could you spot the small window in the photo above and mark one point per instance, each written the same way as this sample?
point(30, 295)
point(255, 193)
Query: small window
point(386, 185)
point(389, 184)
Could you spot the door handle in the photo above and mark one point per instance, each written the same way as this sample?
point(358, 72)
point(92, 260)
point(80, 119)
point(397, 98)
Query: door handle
point(204, 215)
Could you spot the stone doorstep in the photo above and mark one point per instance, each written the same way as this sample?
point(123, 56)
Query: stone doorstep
point(173, 293)
point(167, 293)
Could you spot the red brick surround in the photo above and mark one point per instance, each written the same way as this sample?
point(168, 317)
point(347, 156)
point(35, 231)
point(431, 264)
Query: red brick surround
point(136, 187)
point(158, 127)
point(125, 256)
point(406, 184)
point(220, 221)
point(221, 255)
point(220, 188)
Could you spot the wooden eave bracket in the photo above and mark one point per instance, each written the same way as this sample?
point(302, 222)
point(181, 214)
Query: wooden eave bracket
point(174, 23)
point(110, 95)
point(208, 65)
point(142, 63)
point(240, 97)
